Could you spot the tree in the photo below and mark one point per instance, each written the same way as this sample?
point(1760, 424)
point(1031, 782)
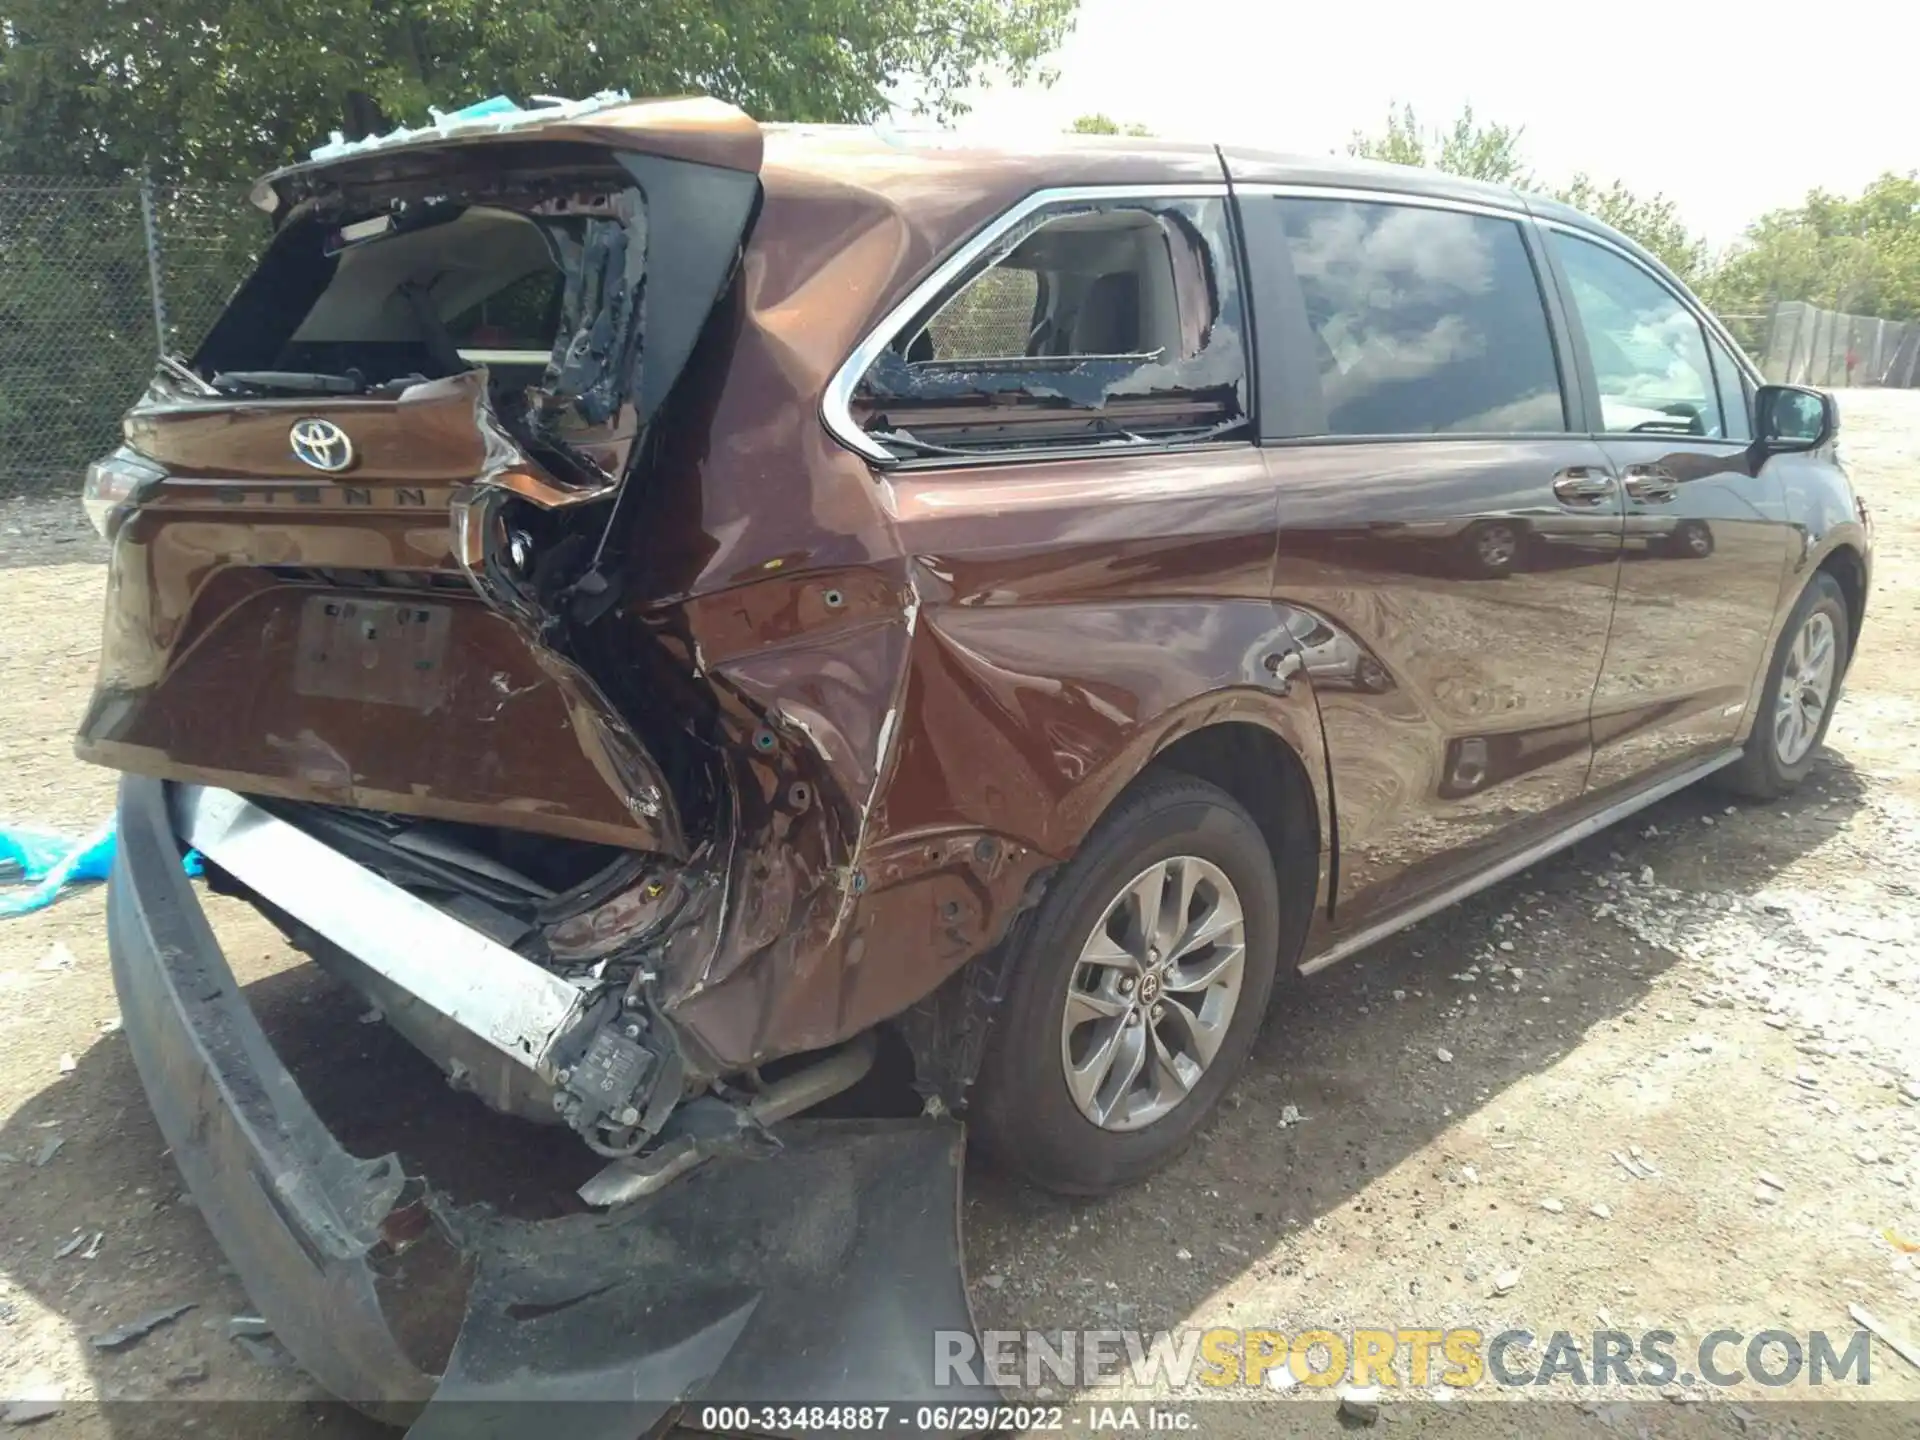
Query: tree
point(1478, 152)
point(218, 90)
point(1861, 256)
point(1492, 153)
point(1653, 220)
point(1102, 124)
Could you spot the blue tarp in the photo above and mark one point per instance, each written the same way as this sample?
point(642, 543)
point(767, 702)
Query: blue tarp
point(47, 863)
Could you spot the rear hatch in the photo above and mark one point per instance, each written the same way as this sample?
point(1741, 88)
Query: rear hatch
point(354, 533)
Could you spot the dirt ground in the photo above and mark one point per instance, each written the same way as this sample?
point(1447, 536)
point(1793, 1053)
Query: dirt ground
point(1550, 1109)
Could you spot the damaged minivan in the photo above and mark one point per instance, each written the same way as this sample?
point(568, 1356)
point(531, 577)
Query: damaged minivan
point(659, 603)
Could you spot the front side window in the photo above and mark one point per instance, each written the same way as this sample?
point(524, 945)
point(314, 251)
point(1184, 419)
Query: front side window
point(1109, 324)
point(1423, 321)
point(1649, 353)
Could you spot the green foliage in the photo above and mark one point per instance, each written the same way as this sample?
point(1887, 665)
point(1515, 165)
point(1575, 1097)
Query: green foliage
point(1493, 153)
point(1860, 256)
point(1476, 151)
point(72, 263)
point(77, 338)
point(1653, 220)
point(217, 90)
point(1102, 124)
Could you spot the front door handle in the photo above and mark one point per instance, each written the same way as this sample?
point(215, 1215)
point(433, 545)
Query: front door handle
point(1584, 486)
point(1650, 483)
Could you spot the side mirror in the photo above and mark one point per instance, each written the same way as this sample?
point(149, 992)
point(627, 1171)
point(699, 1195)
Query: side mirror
point(1793, 419)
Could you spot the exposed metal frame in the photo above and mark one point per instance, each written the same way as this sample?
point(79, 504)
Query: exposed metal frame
point(836, 411)
point(512, 1004)
point(1572, 835)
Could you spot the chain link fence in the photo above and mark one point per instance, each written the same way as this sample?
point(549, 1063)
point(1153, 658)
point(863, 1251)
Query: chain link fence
point(991, 319)
point(95, 281)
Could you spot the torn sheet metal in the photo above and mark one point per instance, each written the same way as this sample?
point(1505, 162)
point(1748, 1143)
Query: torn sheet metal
point(417, 699)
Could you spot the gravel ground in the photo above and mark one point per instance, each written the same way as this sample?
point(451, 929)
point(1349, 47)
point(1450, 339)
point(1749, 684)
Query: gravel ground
point(47, 530)
point(1665, 1080)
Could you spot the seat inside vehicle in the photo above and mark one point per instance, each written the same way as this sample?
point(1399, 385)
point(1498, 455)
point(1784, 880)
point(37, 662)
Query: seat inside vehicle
point(1099, 284)
point(479, 289)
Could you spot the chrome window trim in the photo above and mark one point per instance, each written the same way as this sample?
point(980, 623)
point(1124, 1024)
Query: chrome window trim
point(1699, 312)
point(836, 403)
point(1516, 212)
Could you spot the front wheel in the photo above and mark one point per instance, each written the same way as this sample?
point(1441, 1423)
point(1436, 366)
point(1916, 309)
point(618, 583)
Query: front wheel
point(1796, 705)
point(1138, 987)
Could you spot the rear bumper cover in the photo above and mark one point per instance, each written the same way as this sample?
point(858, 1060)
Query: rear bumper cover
point(296, 1214)
point(723, 1287)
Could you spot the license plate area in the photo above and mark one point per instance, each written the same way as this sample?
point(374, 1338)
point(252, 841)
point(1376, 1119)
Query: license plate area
point(387, 652)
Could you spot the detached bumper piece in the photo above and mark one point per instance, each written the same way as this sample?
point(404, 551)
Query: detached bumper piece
point(820, 1275)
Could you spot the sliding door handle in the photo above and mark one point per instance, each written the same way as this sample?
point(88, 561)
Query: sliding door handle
point(1650, 483)
point(1583, 486)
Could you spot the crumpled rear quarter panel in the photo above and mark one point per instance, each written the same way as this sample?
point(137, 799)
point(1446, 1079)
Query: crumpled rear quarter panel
point(915, 740)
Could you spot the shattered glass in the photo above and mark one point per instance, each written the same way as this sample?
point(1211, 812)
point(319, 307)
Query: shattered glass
point(592, 368)
point(1136, 334)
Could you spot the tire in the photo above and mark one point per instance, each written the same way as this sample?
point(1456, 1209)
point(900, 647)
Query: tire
point(1771, 768)
point(1691, 540)
point(1492, 548)
point(1023, 1113)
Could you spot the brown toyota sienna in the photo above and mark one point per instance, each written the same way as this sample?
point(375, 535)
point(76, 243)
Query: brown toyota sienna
point(658, 601)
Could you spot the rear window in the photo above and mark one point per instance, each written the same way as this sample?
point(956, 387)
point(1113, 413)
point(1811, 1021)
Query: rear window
point(1114, 323)
point(548, 300)
point(487, 279)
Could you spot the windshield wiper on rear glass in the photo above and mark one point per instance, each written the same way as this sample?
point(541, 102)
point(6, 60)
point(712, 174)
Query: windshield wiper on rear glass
point(918, 447)
point(289, 382)
point(180, 370)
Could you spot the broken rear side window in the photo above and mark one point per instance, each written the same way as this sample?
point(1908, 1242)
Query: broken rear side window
point(1110, 324)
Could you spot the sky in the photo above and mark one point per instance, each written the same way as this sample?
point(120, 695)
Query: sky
point(1730, 108)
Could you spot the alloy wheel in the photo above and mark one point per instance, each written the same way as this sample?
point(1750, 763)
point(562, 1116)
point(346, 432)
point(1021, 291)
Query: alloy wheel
point(1153, 993)
point(1806, 688)
point(1497, 546)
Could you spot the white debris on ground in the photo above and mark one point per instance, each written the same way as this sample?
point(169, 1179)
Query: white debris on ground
point(1822, 964)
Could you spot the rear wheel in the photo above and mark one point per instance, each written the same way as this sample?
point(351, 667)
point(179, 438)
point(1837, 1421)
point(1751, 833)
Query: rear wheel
point(1137, 990)
point(1493, 547)
point(1690, 540)
point(1796, 706)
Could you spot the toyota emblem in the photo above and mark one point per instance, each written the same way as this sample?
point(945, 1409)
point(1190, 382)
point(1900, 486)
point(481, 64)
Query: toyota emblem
point(321, 444)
